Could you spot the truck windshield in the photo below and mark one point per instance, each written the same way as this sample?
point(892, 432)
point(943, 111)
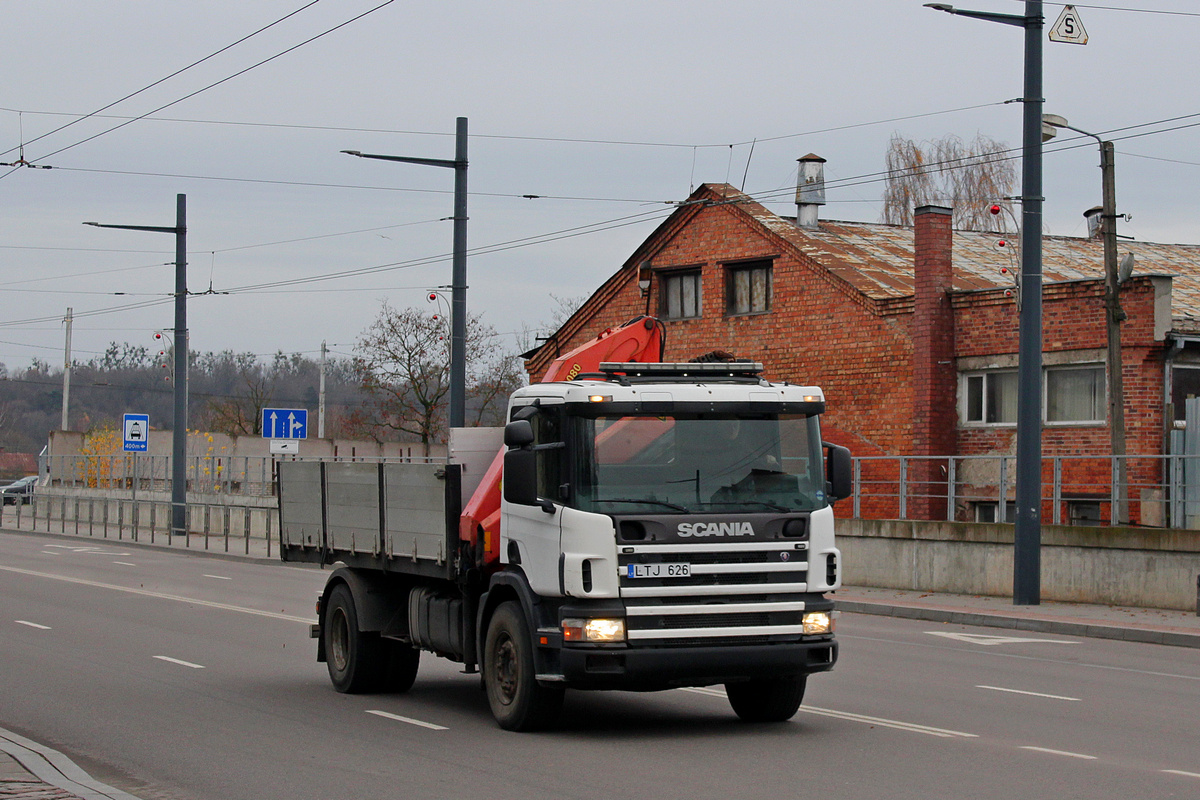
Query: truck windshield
point(699, 463)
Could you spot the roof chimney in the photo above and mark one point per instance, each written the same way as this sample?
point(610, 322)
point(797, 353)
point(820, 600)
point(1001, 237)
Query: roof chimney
point(810, 190)
point(1095, 221)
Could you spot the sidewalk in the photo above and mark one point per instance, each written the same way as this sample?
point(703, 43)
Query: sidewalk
point(1154, 625)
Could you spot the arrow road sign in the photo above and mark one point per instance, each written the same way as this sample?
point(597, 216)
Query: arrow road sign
point(136, 429)
point(284, 423)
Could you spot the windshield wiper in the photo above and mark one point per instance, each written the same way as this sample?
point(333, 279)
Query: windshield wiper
point(763, 503)
point(663, 503)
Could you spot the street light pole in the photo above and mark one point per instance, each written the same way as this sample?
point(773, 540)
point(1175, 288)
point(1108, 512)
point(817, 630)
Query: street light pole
point(179, 434)
point(1114, 315)
point(458, 296)
point(1027, 535)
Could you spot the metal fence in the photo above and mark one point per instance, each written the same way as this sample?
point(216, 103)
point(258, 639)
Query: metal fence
point(1153, 491)
point(210, 526)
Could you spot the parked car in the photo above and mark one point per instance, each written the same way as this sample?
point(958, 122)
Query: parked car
point(19, 491)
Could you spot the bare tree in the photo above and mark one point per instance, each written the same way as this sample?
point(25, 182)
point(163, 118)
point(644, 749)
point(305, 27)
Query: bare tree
point(241, 415)
point(403, 363)
point(969, 178)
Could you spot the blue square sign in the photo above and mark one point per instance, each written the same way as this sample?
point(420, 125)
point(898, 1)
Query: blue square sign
point(136, 432)
point(284, 423)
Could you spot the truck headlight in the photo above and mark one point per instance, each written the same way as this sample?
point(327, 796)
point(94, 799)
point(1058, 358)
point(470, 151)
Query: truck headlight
point(594, 630)
point(817, 622)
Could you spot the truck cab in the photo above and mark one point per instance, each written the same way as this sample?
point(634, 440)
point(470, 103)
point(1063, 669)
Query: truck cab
point(673, 524)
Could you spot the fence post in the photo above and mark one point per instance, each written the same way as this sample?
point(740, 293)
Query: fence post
point(1002, 505)
point(951, 479)
point(1114, 490)
point(903, 488)
point(246, 529)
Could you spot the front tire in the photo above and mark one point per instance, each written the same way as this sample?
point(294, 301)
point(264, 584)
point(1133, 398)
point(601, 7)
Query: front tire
point(355, 659)
point(768, 699)
point(517, 700)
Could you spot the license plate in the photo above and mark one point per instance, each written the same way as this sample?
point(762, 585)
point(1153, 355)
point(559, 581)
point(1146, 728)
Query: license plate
point(658, 570)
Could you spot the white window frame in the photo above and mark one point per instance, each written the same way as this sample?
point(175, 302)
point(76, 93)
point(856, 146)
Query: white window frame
point(964, 397)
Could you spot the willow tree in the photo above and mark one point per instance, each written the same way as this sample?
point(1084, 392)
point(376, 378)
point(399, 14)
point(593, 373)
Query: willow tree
point(967, 177)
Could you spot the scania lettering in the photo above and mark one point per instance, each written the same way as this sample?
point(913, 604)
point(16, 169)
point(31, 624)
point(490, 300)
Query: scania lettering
point(715, 529)
point(660, 525)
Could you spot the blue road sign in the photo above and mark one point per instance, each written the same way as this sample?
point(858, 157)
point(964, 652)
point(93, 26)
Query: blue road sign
point(136, 430)
point(285, 423)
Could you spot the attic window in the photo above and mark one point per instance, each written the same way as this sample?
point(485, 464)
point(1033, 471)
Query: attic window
point(679, 295)
point(748, 288)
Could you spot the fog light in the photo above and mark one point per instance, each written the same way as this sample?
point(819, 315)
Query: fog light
point(817, 622)
point(593, 630)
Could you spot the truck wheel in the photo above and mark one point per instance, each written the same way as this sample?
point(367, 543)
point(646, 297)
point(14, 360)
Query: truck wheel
point(355, 659)
point(767, 700)
point(518, 701)
point(402, 664)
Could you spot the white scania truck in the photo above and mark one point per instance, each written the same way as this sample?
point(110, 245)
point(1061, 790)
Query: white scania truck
point(659, 525)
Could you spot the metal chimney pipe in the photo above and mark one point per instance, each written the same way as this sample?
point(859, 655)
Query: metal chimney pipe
point(810, 190)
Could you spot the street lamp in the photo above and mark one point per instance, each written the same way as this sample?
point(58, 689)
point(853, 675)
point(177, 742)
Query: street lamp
point(1027, 534)
point(179, 434)
point(1114, 314)
point(458, 294)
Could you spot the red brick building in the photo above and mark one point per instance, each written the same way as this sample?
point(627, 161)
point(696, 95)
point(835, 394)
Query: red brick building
point(912, 332)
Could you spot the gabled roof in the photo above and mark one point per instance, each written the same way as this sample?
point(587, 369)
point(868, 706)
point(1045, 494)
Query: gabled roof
point(877, 259)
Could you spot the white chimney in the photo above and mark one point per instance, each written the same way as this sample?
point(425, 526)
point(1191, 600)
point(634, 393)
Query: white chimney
point(810, 190)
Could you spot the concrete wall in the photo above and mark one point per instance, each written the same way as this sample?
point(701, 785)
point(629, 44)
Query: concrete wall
point(1112, 566)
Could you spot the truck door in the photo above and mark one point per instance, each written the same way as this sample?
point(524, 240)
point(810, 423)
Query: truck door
point(530, 535)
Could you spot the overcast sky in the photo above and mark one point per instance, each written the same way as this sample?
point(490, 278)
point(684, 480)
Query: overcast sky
point(608, 111)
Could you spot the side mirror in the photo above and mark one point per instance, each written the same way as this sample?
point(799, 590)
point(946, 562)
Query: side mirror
point(839, 472)
point(520, 475)
point(518, 433)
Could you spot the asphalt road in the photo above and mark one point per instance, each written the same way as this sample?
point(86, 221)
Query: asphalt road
point(180, 676)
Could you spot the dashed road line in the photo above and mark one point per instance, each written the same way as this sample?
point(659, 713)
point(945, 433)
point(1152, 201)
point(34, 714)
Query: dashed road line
point(125, 563)
point(1181, 772)
point(1057, 752)
point(180, 663)
point(32, 624)
point(1031, 694)
point(408, 720)
point(219, 577)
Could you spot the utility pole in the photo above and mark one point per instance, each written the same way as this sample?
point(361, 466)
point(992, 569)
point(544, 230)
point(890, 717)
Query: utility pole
point(458, 296)
point(1027, 533)
point(67, 374)
point(1114, 315)
point(179, 434)
point(321, 395)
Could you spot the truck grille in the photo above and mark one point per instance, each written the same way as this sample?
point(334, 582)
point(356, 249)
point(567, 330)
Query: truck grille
point(743, 592)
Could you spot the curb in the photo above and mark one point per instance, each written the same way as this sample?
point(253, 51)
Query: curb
point(1038, 625)
point(55, 769)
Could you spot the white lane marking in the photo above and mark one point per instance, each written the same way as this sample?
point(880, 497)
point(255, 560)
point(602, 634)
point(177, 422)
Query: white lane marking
point(408, 720)
point(125, 563)
point(1031, 694)
point(98, 551)
point(159, 595)
point(828, 712)
point(1057, 752)
point(989, 641)
point(32, 624)
point(50, 553)
point(219, 577)
point(1181, 772)
point(180, 663)
point(1035, 659)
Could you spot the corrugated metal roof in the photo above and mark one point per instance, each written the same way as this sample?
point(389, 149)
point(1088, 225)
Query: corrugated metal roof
point(877, 259)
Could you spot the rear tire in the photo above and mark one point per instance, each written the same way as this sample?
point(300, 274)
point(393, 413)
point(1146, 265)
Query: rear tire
point(518, 701)
point(768, 699)
point(355, 659)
